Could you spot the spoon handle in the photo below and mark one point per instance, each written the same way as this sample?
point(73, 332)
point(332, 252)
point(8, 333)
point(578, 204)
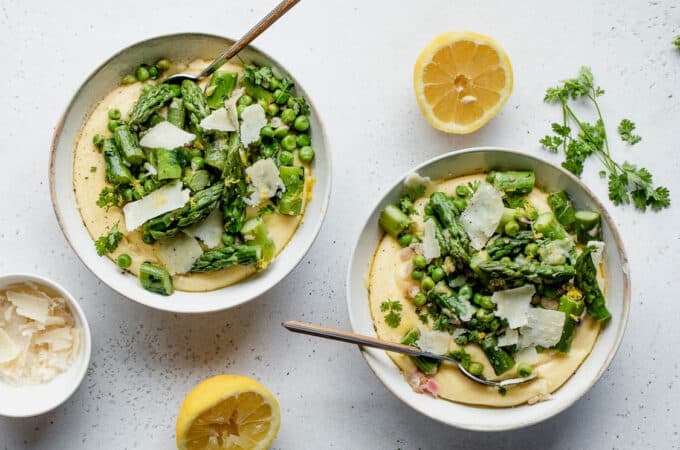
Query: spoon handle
point(247, 38)
point(346, 336)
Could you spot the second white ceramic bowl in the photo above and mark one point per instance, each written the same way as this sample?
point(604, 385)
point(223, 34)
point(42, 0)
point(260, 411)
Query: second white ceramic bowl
point(178, 48)
point(552, 178)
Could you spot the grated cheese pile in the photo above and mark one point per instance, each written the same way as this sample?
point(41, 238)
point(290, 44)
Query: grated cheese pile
point(38, 335)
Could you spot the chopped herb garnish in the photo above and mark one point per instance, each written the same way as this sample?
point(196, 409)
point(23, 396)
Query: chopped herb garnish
point(626, 181)
point(110, 196)
point(393, 312)
point(676, 42)
point(93, 169)
point(109, 241)
point(625, 129)
point(266, 209)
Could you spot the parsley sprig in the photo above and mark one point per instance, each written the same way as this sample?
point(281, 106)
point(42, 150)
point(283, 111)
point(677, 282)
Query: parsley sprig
point(392, 312)
point(676, 42)
point(109, 241)
point(625, 129)
point(579, 139)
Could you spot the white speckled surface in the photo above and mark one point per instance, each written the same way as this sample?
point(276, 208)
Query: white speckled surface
point(355, 58)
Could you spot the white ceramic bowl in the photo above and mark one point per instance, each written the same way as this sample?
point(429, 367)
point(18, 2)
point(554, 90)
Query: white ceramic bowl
point(179, 48)
point(34, 399)
point(552, 178)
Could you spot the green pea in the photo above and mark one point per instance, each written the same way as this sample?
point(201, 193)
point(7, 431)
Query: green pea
point(245, 100)
point(281, 98)
point(524, 370)
point(405, 239)
point(303, 140)
point(420, 299)
point(419, 262)
point(306, 154)
point(239, 109)
point(263, 104)
point(463, 191)
point(301, 123)
point(153, 72)
point(531, 249)
point(228, 239)
point(112, 125)
point(460, 204)
point(288, 142)
point(511, 228)
point(495, 324)
point(267, 131)
point(475, 368)
point(427, 283)
point(438, 274)
point(124, 260)
point(274, 83)
point(465, 292)
point(142, 73)
point(197, 163)
point(128, 194)
point(114, 114)
point(461, 340)
point(98, 140)
point(286, 158)
point(272, 109)
point(163, 64)
point(281, 132)
point(417, 274)
point(484, 315)
point(505, 259)
point(288, 116)
point(195, 153)
point(129, 79)
point(146, 88)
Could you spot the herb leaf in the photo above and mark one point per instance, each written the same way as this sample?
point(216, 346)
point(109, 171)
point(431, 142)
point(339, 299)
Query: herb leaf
point(110, 196)
point(625, 129)
point(109, 241)
point(676, 42)
point(393, 312)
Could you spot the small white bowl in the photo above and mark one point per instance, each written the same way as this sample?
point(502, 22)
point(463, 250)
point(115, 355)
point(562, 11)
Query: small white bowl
point(35, 399)
point(552, 178)
point(182, 47)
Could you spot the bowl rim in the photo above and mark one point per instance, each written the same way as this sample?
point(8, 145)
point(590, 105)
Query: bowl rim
point(86, 350)
point(365, 353)
point(56, 136)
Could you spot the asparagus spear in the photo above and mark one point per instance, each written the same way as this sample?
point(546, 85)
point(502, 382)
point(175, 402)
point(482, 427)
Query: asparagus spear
point(169, 224)
point(116, 170)
point(506, 275)
point(586, 281)
point(547, 225)
point(508, 246)
point(168, 164)
point(129, 145)
point(587, 226)
point(216, 152)
point(393, 220)
point(224, 257)
point(219, 89)
point(195, 102)
point(196, 180)
point(255, 232)
point(561, 206)
point(151, 101)
point(257, 92)
point(513, 182)
point(294, 180)
point(155, 278)
point(233, 206)
point(177, 112)
point(426, 365)
point(458, 241)
point(572, 310)
point(500, 360)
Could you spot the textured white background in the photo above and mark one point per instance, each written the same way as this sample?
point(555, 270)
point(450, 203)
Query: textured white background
point(355, 59)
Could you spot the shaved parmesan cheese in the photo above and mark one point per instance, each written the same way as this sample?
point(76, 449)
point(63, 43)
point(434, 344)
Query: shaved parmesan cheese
point(527, 355)
point(413, 181)
point(230, 106)
point(151, 169)
point(209, 231)
point(166, 135)
point(218, 120)
point(169, 197)
point(8, 349)
point(510, 337)
point(276, 122)
point(179, 253)
point(513, 304)
point(30, 306)
point(556, 252)
point(596, 255)
point(58, 338)
point(252, 121)
point(544, 328)
point(431, 341)
point(265, 181)
point(431, 248)
point(482, 215)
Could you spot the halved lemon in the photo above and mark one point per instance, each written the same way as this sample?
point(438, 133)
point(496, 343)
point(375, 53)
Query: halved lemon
point(228, 412)
point(462, 80)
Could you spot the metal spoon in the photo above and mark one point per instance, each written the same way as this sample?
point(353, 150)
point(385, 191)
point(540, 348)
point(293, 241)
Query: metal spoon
point(232, 51)
point(353, 338)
